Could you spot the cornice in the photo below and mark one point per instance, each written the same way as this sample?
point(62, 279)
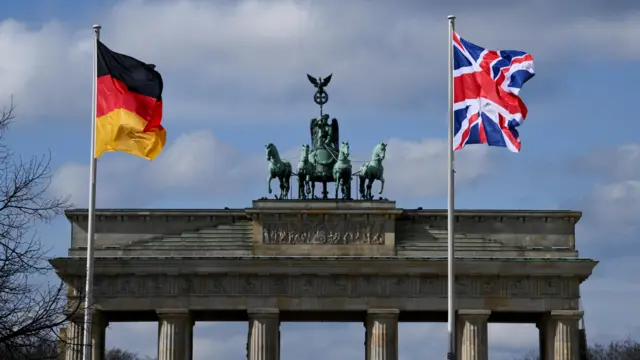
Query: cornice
point(327, 265)
point(434, 214)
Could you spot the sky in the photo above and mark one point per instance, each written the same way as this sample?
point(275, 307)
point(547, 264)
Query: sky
point(235, 80)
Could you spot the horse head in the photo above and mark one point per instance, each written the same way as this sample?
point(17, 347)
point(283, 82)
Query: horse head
point(379, 152)
point(272, 152)
point(304, 154)
point(344, 150)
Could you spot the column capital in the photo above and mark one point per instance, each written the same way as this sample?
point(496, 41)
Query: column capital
point(474, 314)
point(253, 312)
point(382, 334)
point(566, 314)
point(263, 341)
point(383, 312)
point(169, 313)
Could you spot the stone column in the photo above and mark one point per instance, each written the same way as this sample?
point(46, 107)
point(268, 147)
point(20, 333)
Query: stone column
point(74, 336)
point(175, 335)
point(98, 334)
point(264, 338)
point(561, 340)
point(541, 339)
point(382, 334)
point(472, 340)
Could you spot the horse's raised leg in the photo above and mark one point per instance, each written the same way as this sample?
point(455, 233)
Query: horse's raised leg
point(369, 186)
point(381, 184)
point(271, 177)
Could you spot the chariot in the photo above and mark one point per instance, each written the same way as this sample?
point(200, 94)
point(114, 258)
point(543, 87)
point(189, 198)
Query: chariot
point(326, 161)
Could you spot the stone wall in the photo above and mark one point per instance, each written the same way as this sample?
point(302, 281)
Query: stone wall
point(325, 228)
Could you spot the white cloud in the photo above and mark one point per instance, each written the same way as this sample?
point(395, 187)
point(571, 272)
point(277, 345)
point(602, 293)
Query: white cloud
point(44, 68)
point(218, 57)
point(613, 206)
point(420, 168)
point(620, 163)
point(198, 163)
point(194, 164)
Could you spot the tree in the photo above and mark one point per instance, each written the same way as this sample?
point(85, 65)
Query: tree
point(119, 354)
point(30, 312)
point(615, 350)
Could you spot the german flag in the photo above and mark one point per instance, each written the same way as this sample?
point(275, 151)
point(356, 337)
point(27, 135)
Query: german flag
point(128, 106)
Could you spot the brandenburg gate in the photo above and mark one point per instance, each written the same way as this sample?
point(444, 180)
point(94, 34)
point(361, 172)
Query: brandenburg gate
point(326, 259)
point(314, 260)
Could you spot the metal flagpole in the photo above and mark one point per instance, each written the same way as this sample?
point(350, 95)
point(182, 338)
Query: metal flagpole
point(451, 305)
point(88, 288)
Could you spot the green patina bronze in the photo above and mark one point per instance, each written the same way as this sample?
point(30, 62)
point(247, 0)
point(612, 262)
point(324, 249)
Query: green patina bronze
point(280, 169)
point(372, 170)
point(326, 160)
point(342, 172)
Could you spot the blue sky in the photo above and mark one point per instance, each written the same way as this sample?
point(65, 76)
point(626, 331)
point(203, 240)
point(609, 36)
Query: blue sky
point(235, 80)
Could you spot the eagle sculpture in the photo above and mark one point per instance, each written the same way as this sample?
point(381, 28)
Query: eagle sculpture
point(319, 83)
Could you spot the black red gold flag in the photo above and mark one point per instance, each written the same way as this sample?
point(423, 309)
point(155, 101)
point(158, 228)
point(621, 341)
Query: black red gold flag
point(128, 106)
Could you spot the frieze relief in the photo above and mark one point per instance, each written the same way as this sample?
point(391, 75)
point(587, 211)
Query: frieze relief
point(328, 286)
point(324, 230)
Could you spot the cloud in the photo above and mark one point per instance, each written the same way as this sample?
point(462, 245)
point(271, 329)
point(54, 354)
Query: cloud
point(619, 163)
point(612, 205)
point(217, 57)
point(198, 164)
point(44, 68)
point(419, 168)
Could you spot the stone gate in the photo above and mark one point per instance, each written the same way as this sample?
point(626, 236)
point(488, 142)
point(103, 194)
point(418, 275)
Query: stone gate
point(297, 260)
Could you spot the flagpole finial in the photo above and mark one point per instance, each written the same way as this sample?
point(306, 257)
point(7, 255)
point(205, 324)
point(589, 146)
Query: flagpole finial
point(451, 17)
point(97, 27)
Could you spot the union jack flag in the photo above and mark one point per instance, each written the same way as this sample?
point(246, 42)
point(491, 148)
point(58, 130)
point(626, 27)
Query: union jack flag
point(486, 83)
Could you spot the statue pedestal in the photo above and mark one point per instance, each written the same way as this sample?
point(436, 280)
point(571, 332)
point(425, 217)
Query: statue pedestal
point(323, 228)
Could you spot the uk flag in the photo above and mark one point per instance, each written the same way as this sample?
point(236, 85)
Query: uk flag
point(486, 83)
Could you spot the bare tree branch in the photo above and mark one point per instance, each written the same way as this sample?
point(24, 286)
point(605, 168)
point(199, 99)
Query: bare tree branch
point(615, 350)
point(31, 313)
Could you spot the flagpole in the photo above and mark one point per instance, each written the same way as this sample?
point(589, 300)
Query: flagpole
point(451, 303)
point(88, 297)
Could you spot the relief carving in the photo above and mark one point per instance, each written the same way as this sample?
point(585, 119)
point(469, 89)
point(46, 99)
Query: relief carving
point(277, 285)
point(329, 286)
point(430, 286)
point(250, 285)
point(518, 287)
point(306, 285)
point(399, 286)
point(336, 286)
point(549, 287)
point(318, 231)
point(367, 285)
point(464, 286)
point(488, 287)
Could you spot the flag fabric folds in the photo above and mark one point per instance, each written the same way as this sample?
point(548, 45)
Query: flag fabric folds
point(128, 106)
point(486, 83)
